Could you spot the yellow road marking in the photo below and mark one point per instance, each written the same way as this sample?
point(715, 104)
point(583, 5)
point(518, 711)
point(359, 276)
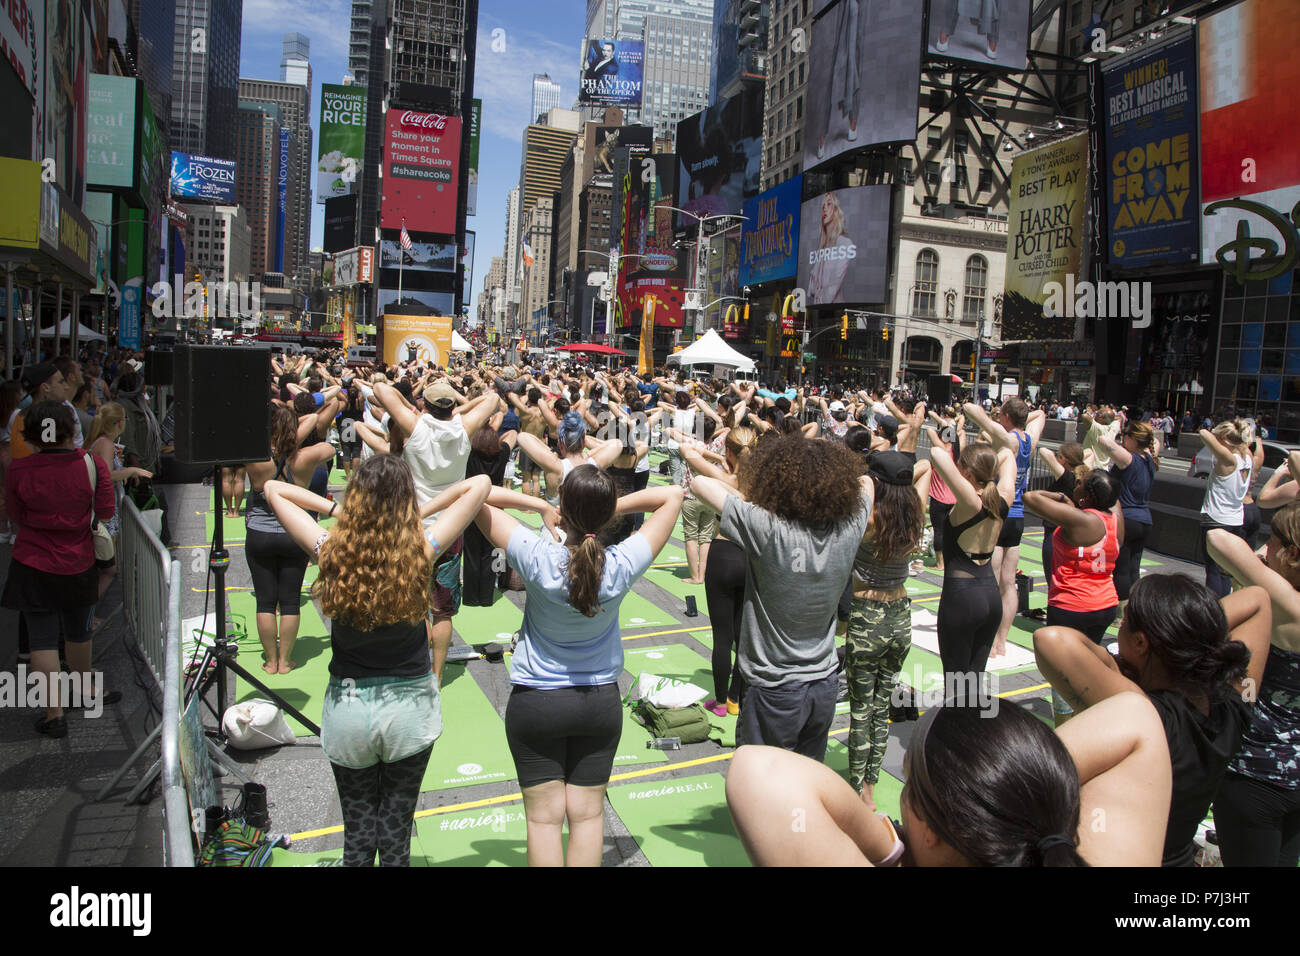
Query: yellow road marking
point(683, 630)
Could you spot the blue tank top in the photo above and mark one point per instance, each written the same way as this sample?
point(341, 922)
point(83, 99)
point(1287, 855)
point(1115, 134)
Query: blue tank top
point(1135, 488)
point(1023, 457)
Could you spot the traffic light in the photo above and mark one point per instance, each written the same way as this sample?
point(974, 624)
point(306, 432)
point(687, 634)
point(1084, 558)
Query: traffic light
point(885, 333)
point(844, 327)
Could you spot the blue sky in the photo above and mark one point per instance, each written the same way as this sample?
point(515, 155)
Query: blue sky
point(541, 36)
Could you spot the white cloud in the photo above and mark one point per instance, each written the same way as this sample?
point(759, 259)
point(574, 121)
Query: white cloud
point(327, 22)
point(504, 81)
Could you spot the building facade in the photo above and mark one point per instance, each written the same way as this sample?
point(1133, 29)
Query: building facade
point(256, 187)
point(205, 76)
point(219, 243)
point(546, 96)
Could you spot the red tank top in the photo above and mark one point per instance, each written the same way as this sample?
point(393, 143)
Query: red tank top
point(1081, 577)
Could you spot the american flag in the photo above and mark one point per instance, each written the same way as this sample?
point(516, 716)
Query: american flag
point(406, 238)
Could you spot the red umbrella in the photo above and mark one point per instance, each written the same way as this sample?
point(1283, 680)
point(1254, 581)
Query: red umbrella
point(592, 347)
point(957, 379)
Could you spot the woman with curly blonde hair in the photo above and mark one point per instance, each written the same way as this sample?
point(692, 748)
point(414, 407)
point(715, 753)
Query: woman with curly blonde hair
point(799, 512)
point(382, 712)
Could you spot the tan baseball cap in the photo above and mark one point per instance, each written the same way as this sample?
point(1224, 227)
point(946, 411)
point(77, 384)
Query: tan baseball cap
point(441, 393)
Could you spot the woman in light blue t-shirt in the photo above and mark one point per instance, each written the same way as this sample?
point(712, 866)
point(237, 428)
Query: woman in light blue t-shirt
point(564, 718)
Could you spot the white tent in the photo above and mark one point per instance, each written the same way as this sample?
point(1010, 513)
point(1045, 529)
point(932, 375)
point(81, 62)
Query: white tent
point(712, 350)
point(458, 344)
point(83, 334)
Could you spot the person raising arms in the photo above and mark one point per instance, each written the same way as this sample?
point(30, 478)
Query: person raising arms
point(276, 564)
point(1257, 808)
point(382, 712)
point(564, 716)
point(1225, 493)
point(1196, 658)
point(1134, 460)
point(970, 607)
point(984, 788)
point(572, 434)
point(1018, 429)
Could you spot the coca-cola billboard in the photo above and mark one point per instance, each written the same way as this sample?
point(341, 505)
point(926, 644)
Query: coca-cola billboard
point(421, 171)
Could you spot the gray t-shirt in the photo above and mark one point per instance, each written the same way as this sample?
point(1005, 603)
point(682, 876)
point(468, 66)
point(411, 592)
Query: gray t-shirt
point(793, 583)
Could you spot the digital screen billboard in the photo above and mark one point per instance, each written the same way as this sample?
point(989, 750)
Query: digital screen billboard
point(720, 155)
point(611, 72)
point(1250, 117)
point(1045, 237)
point(646, 230)
point(443, 303)
point(421, 157)
point(422, 339)
point(342, 140)
point(110, 133)
point(202, 177)
point(422, 256)
point(769, 238)
point(990, 33)
point(1152, 165)
point(865, 64)
point(844, 246)
point(340, 223)
point(471, 183)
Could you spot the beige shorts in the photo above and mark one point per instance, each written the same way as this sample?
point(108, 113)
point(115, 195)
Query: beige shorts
point(699, 521)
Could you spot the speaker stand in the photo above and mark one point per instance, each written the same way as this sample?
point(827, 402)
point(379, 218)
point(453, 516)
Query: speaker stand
point(220, 657)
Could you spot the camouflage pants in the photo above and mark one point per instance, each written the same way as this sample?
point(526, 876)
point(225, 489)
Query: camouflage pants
point(879, 637)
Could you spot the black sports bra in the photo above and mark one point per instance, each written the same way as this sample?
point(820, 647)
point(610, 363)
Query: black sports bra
point(953, 555)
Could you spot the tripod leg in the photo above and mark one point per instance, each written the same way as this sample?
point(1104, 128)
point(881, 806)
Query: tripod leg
point(272, 695)
point(130, 761)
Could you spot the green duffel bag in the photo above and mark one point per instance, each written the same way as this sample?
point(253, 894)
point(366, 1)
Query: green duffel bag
point(690, 724)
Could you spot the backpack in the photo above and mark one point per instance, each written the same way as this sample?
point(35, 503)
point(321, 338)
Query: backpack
point(691, 723)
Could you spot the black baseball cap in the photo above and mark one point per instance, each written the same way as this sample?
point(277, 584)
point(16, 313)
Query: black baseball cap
point(35, 376)
point(891, 467)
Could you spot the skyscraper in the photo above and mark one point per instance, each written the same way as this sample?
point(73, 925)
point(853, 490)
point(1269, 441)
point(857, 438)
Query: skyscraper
point(205, 76)
point(155, 27)
point(256, 185)
point(359, 42)
point(294, 102)
point(295, 54)
point(546, 95)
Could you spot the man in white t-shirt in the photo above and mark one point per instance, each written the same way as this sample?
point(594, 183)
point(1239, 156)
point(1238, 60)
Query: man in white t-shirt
point(436, 449)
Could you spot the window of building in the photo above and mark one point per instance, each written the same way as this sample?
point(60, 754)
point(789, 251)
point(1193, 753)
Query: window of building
point(985, 180)
point(932, 174)
point(905, 173)
point(935, 139)
point(927, 282)
point(977, 273)
point(798, 108)
point(960, 141)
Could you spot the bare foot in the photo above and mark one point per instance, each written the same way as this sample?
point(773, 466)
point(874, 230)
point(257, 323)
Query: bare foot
point(270, 667)
point(868, 798)
point(286, 666)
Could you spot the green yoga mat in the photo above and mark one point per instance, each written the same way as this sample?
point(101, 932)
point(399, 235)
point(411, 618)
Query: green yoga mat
point(483, 625)
point(304, 686)
point(232, 529)
point(680, 822)
point(472, 749)
point(486, 836)
point(281, 857)
point(673, 581)
point(682, 663)
point(888, 788)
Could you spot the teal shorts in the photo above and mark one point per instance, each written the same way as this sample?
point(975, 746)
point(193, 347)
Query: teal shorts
point(370, 720)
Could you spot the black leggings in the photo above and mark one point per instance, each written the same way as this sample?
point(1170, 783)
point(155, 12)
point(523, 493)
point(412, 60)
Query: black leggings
point(1092, 623)
point(724, 589)
point(938, 521)
point(278, 567)
point(970, 610)
point(1258, 823)
point(1128, 565)
point(640, 481)
point(379, 809)
point(1215, 578)
point(1048, 531)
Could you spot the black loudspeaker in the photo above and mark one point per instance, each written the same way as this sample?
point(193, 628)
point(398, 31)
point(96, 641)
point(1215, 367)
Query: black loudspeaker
point(223, 404)
point(158, 368)
point(939, 388)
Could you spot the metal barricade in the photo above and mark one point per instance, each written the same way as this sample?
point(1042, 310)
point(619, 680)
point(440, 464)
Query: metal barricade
point(146, 570)
point(178, 848)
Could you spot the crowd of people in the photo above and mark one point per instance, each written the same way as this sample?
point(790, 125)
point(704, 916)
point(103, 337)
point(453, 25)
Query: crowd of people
point(804, 513)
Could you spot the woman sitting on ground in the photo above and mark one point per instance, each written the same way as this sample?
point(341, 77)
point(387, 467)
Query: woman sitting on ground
point(985, 787)
point(382, 712)
point(1196, 658)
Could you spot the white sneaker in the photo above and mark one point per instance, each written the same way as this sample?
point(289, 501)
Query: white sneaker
point(853, 134)
point(942, 45)
point(993, 54)
point(821, 150)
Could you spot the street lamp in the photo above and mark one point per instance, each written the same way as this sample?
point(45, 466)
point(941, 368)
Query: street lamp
point(610, 273)
point(699, 240)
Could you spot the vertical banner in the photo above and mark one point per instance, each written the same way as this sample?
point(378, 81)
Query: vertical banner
point(128, 315)
point(646, 357)
point(423, 339)
point(471, 195)
point(284, 199)
point(1049, 189)
point(1151, 152)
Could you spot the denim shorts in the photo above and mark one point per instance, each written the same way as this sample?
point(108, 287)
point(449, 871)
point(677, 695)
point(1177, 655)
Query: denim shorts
point(370, 720)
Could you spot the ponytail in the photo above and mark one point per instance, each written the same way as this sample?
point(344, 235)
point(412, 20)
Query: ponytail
point(586, 569)
point(1057, 851)
point(588, 500)
point(980, 462)
point(990, 497)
